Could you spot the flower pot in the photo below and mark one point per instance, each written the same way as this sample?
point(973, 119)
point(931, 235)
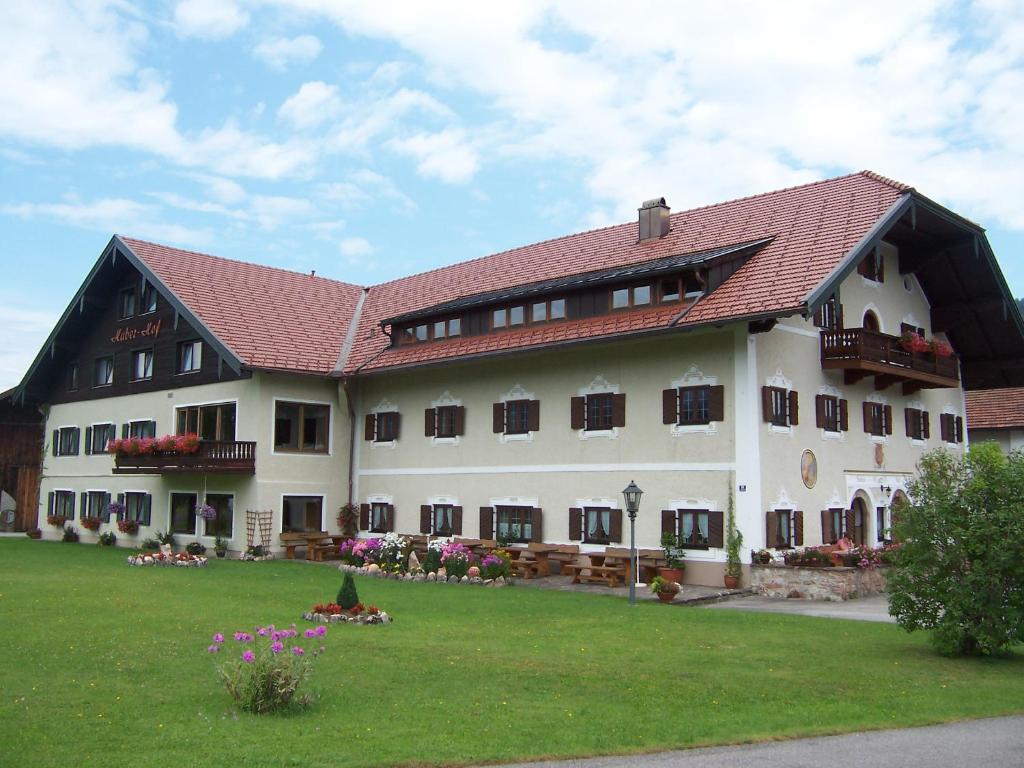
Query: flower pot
point(671, 574)
point(666, 597)
point(732, 582)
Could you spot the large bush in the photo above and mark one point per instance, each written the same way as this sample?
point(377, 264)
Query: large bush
point(960, 571)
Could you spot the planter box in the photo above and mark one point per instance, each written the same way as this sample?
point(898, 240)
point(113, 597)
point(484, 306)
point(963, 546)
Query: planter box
point(833, 584)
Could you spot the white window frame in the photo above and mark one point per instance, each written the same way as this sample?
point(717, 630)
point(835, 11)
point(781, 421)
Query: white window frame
point(323, 508)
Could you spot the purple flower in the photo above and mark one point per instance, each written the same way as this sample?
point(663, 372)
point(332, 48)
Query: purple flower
point(310, 633)
point(243, 637)
point(275, 636)
point(297, 651)
point(248, 657)
point(213, 649)
point(321, 630)
point(218, 638)
point(262, 631)
point(277, 647)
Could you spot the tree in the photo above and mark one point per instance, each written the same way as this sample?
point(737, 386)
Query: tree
point(960, 569)
point(347, 597)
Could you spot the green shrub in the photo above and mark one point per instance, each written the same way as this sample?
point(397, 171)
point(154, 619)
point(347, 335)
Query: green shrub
point(70, 534)
point(150, 544)
point(960, 569)
point(195, 548)
point(347, 596)
point(432, 561)
point(107, 539)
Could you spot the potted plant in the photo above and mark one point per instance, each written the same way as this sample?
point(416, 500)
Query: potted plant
point(733, 542)
point(195, 548)
point(131, 527)
point(761, 557)
point(166, 542)
point(91, 523)
point(665, 590)
point(57, 521)
point(220, 546)
point(348, 520)
point(674, 565)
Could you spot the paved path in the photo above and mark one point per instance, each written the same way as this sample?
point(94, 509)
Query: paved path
point(992, 743)
point(862, 609)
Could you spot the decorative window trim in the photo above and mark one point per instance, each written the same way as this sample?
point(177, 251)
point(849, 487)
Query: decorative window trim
point(444, 400)
point(779, 381)
point(694, 377)
point(516, 393)
point(872, 307)
point(601, 503)
point(384, 406)
point(599, 385)
point(514, 501)
point(874, 397)
point(711, 554)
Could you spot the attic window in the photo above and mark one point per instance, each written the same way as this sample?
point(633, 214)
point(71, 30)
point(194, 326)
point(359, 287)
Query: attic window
point(148, 303)
point(126, 303)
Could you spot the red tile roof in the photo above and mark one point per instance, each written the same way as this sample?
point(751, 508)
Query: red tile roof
point(995, 408)
point(278, 319)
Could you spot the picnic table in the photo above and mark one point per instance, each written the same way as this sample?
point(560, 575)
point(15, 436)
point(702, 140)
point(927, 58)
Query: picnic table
point(533, 560)
point(317, 543)
point(612, 566)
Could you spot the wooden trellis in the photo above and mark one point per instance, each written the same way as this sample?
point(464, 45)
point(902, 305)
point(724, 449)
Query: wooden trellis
point(260, 520)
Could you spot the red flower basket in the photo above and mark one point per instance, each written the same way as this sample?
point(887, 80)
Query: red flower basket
point(91, 523)
point(128, 526)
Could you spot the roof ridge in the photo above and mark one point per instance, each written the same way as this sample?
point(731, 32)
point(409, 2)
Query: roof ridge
point(128, 238)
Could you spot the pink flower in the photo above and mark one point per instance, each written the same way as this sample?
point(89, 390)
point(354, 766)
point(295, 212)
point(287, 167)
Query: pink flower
point(213, 649)
point(277, 647)
point(321, 630)
point(310, 633)
point(262, 631)
point(297, 651)
point(275, 635)
point(218, 638)
point(248, 657)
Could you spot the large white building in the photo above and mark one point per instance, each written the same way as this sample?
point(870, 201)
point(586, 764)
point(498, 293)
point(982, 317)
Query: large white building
point(751, 348)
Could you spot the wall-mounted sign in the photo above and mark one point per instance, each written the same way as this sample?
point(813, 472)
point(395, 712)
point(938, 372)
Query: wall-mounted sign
point(809, 468)
point(150, 330)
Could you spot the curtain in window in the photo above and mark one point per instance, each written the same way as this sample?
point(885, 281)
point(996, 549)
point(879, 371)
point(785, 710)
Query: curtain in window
point(598, 523)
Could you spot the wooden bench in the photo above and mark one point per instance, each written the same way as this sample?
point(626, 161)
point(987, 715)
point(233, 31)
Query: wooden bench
point(611, 575)
point(290, 541)
point(564, 555)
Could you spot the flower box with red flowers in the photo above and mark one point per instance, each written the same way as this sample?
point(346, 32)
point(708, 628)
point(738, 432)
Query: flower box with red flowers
point(128, 526)
point(91, 523)
point(57, 521)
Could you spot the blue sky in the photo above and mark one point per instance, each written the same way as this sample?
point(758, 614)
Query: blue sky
point(374, 140)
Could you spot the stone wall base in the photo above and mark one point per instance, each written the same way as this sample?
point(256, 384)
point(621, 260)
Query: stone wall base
point(835, 584)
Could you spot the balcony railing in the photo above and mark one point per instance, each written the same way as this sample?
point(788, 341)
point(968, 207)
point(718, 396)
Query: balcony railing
point(861, 353)
point(213, 456)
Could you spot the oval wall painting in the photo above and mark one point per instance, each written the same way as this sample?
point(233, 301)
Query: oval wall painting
point(809, 468)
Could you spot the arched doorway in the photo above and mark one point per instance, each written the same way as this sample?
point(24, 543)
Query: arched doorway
point(870, 322)
point(858, 521)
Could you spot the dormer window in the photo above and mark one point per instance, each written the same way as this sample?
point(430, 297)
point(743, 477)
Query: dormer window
point(516, 316)
point(634, 296)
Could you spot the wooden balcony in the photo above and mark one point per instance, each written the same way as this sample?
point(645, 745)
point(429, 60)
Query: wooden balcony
point(860, 353)
point(213, 457)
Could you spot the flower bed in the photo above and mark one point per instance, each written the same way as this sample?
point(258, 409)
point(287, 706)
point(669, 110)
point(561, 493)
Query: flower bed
point(332, 613)
point(180, 559)
point(441, 576)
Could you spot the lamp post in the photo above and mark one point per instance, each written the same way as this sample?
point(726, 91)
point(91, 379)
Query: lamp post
point(632, 495)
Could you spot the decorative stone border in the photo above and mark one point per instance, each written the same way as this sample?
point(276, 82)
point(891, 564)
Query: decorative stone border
point(375, 571)
point(830, 584)
point(181, 560)
point(342, 618)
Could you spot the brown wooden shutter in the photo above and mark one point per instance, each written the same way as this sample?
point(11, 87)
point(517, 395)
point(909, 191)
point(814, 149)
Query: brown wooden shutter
point(88, 440)
point(827, 534)
point(429, 422)
point(866, 408)
point(619, 410)
point(486, 522)
point(771, 529)
point(457, 521)
point(389, 518)
point(426, 518)
point(959, 429)
point(537, 524)
point(669, 406)
point(716, 403)
point(460, 420)
point(668, 522)
point(364, 517)
point(944, 427)
point(839, 316)
point(498, 418)
point(887, 415)
point(578, 413)
point(615, 525)
point(819, 411)
point(844, 416)
point(370, 426)
point(49, 503)
point(794, 408)
point(766, 403)
point(849, 523)
point(926, 425)
point(908, 421)
point(575, 523)
point(798, 528)
point(533, 415)
point(716, 529)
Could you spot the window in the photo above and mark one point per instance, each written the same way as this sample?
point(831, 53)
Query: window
point(499, 318)
point(693, 405)
point(210, 422)
point(138, 507)
point(65, 441)
point(443, 520)
point(870, 322)
point(881, 526)
point(829, 315)
point(784, 528)
point(599, 525)
point(877, 419)
point(73, 377)
point(635, 296)
point(142, 365)
point(831, 413)
point(543, 311)
point(515, 524)
point(302, 513)
point(387, 426)
point(693, 529)
point(670, 290)
point(440, 329)
point(872, 266)
point(190, 356)
point(601, 411)
point(148, 303)
point(444, 421)
point(301, 427)
point(98, 436)
point(835, 524)
point(422, 332)
point(908, 328)
point(377, 517)
point(780, 406)
point(516, 417)
point(96, 503)
point(183, 513)
point(455, 327)
point(917, 423)
point(951, 428)
point(63, 504)
point(103, 375)
point(126, 303)
point(438, 520)
point(516, 315)
point(141, 429)
point(223, 524)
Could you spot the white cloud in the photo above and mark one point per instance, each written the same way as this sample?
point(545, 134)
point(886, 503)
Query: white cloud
point(363, 187)
point(446, 155)
point(353, 247)
point(271, 211)
point(313, 104)
point(211, 19)
point(280, 53)
point(234, 152)
point(21, 333)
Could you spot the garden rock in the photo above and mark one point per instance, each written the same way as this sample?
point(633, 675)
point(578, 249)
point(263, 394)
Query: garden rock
point(419, 577)
point(414, 563)
point(431, 576)
point(464, 580)
point(453, 579)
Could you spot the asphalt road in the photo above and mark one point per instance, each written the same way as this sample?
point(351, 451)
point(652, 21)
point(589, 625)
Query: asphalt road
point(991, 743)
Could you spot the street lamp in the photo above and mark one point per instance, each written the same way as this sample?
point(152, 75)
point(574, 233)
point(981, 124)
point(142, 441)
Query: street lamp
point(632, 494)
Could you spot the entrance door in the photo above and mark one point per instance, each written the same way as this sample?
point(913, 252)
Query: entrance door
point(860, 517)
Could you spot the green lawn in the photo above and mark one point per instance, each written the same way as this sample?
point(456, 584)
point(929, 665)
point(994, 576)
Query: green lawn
point(106, 664)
